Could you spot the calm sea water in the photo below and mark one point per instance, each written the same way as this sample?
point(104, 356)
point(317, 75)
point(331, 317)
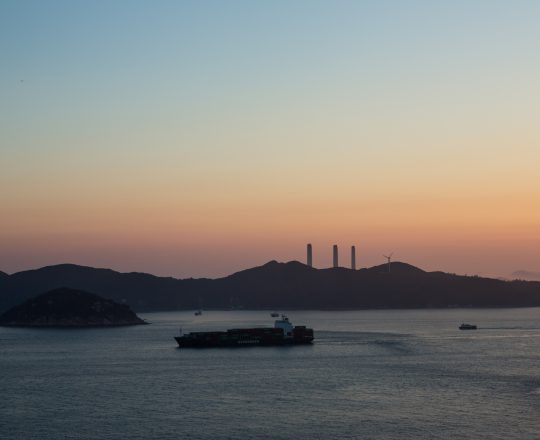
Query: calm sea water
point(369, 374)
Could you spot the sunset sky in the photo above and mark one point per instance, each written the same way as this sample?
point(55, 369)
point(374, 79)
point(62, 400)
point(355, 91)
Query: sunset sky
point(199, 138)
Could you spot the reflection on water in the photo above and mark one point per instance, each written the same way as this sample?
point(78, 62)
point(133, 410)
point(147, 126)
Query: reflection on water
point(369, 374)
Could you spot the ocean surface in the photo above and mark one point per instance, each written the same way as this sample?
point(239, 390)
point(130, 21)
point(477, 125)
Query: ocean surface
point(401, 374)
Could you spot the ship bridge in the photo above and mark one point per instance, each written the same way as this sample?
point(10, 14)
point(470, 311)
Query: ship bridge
point(284, 324)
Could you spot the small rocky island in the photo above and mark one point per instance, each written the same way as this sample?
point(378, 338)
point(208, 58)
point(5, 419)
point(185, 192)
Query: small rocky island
point(66, 307)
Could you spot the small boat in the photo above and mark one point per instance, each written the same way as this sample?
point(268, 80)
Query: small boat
point(274, 314)
point(467, 327)
point(198, 313)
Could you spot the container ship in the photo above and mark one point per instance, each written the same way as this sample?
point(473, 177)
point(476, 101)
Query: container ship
point(283, 333)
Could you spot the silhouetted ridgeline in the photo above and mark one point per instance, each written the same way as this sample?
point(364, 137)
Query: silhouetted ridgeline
point(526, 275)
point(278, 286)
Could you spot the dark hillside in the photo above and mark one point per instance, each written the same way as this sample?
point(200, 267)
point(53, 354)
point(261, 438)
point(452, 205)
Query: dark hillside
point(278, 286)
point(69, 308)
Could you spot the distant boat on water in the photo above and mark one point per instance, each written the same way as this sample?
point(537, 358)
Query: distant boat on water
point(467, 327)
point(274, 314)
point(199, 311)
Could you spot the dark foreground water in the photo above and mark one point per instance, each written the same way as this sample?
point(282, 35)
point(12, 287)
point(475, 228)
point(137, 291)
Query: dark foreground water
point(370, 374)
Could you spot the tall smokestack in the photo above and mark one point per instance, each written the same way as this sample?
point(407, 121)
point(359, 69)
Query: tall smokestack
point(336, 263)
point(309, 255)
point(353, 258)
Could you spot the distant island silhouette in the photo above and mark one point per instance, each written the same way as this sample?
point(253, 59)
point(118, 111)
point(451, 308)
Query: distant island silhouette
point(274, 285)
point(526, 275)
point(65, 307)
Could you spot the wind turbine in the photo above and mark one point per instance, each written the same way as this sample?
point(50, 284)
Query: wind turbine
point(389, 258)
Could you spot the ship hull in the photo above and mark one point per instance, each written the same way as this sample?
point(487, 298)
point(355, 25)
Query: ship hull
point(255, 343)
point(257, 337)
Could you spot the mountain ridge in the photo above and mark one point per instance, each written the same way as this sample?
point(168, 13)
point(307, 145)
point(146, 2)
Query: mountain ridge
point(527, 275)
point(278, 285)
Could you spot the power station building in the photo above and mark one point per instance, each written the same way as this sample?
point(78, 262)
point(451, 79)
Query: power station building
point(335, 256)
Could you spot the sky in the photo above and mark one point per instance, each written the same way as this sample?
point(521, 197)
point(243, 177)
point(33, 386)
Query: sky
point(199, 138)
